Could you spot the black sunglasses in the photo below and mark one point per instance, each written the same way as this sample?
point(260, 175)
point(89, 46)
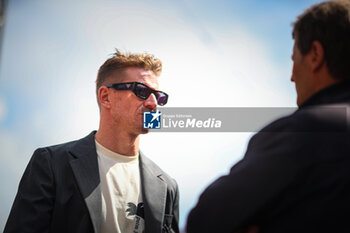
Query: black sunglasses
point(142, 91)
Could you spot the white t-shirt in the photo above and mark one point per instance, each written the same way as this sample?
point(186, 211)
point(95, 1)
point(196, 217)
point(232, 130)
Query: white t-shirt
point(122, 205)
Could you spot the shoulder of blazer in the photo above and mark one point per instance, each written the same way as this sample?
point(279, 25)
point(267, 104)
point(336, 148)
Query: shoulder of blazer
point(64, 152)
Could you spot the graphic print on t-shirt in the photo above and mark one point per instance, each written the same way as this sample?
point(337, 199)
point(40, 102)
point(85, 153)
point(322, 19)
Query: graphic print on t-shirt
point(139, 213)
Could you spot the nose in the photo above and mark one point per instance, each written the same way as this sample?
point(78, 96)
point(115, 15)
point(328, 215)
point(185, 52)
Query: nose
point(151, 102)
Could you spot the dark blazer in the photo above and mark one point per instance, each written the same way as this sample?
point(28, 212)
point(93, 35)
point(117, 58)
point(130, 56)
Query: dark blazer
point(60, 192)
point(294, 177)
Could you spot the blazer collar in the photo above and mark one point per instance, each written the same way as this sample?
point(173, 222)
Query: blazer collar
point(154, 191)
point(86, 171)
point(336, 93)
point(85, 168)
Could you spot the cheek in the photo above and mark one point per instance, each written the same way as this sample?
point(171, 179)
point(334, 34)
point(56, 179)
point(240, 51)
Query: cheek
point(135, 112)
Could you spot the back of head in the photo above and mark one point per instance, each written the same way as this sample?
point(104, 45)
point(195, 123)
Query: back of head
point(120, 61)
point(328, 23)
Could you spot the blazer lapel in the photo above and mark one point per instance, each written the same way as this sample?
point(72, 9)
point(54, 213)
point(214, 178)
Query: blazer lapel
point(85, 168)
point(154, 191)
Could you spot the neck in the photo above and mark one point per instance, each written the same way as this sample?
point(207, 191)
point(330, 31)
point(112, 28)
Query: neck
point(118, 141)
point(324, 80)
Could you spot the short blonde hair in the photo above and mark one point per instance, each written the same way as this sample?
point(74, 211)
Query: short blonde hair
point(120, 61)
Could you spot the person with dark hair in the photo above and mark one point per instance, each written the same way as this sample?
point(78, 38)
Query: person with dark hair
point(103, 183)
point(295, 175)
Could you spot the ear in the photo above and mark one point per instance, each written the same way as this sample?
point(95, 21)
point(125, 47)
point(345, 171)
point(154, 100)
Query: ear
point(104, 97)
point(316, 56)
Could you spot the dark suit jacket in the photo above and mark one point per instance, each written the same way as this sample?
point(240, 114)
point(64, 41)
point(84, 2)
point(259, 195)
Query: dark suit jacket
point(294, 177)
point(60, 192)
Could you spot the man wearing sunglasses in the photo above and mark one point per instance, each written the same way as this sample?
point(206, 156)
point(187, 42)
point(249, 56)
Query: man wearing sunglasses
point(103, 182)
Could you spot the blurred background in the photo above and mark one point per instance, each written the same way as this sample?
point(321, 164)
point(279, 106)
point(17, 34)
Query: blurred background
point(222, 53)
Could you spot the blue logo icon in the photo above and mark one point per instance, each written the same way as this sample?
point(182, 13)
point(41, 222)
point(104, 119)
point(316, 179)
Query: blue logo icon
point(151, 120)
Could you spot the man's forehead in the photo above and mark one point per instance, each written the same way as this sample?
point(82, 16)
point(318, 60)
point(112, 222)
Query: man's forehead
point(138, 72)
point(146, 72)
point(147, 77)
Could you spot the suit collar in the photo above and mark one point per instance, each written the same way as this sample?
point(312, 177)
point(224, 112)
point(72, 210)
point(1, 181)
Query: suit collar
point(86, 172)
point(336, 93)
point(154, 191)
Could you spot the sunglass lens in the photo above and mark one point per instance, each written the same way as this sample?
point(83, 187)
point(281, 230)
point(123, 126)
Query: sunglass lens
point(161, 98)
point(142, 91)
